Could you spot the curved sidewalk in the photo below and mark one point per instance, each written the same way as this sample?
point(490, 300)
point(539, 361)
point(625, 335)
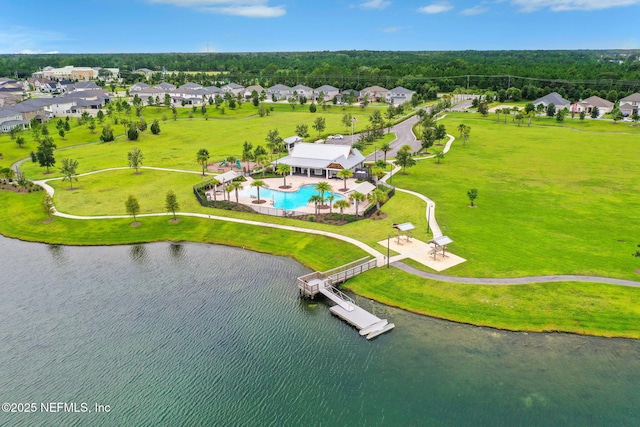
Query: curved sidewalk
point(513, 280)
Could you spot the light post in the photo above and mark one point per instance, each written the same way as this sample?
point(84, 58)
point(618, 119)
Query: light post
point(428, 217)
point(388, 249)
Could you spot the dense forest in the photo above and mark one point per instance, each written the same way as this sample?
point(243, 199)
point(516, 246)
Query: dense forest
point(571, 72)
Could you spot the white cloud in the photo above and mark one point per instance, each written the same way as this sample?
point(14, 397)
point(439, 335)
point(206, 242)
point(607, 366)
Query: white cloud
point(475, 10)
point(375, 4)
point(28, 40)
point(440, 7)
point(246, 8)
point(565, 5)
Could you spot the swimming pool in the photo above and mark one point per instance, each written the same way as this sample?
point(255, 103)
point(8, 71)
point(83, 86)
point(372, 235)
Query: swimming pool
point(290, 200)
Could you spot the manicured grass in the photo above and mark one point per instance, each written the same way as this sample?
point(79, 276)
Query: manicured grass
point(552, 200)
point(309, 250)
point(583, 308)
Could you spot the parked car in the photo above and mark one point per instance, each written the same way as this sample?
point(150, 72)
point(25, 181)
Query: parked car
point(337, 136)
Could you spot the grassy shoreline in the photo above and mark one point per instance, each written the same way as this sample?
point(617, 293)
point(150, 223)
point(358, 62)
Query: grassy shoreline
point(593, 309)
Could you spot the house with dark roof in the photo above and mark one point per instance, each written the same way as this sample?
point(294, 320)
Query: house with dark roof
point(165, 86)
point(399, 96)
point(232, 88)
point(278, 92)
point(137, 87)
point(322, 160)
point(553, 98)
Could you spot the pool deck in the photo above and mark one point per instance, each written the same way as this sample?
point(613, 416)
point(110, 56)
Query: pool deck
point(295, 182)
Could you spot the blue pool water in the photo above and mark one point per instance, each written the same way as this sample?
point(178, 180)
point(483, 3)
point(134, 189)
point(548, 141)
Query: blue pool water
point(291, 200)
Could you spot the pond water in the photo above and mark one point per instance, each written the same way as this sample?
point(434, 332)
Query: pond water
point(288, 200)
point(192, 334)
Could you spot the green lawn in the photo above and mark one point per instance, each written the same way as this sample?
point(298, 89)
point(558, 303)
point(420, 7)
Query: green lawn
point(584, 308)
point(552, 200)
point(307, 249)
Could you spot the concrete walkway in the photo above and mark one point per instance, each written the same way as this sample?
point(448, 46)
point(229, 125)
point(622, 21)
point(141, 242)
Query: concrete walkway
point(514, 280)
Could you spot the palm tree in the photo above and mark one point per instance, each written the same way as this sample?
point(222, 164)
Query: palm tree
point(215, 184)
point(330, 199)
point(203, 158)
point(461, 128)
point(264, 162)
point(467, 131)
point(357, 197)
point(322, 187)
point(228, 188)
point(377, 196)
point(342, 204)
point(316, 199)
point(385, 147)
point(258, 183)
point(498, 111)
point(345, 174)
point(236, 185)
point(284, 170)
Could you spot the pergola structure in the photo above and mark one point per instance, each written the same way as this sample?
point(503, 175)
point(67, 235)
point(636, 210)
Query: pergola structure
point(404, 228)
point(440, 244)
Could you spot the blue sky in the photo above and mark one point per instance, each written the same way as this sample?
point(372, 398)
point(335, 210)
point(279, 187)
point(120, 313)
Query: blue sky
point(98, 26)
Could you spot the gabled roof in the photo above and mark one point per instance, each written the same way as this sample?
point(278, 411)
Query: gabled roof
point(165, 86)
point(234, 86)
point(87, 85)
point(596, 101)
point(213, 89)
point(374, 89)
point(326, 88)
point(140, 85)
point(251, 88)
point(320, 156)
point(278, 88)
point(400, 90)
point(553, 98)
point(364, 187)
point(635, 97)
point(301, 87)
point(190, 86)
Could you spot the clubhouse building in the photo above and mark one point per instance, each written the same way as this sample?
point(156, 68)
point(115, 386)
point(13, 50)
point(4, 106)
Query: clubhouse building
point(322, 160)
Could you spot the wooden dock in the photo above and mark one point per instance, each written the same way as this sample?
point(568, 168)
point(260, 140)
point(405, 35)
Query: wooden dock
point(322, 283)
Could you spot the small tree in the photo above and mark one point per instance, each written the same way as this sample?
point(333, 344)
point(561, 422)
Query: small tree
point(20, 141)
point(47, 204)
point(302, 131)
point(155, 127)
point(284, 170)
point(171, 203)
point(135, 158)
point(107, 134)
point(203, 158)
point(472, 195)
point(319, 125)
point(439, 156)
point(132, 206)
point(69, 170)
point(595, 113)
point(132, 133)
point(258, 183)
point(405, 159)
point(357, 197)
point(345, 174)
point(342, 204)
point(44, 153)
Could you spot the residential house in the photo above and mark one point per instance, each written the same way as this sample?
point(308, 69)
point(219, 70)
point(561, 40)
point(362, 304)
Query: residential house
point(553, 98)
point(249, 90)
point(630, 105)
point(328, 92)
point(10, 118)
point(322, 160)
point(279, 92)
point(587, 105)
point(300, 91)
point(399, 96)
point(137, 87)
point(143, 71)
point(233, 88)
point(374, 93)
point(348, 95)
point(81, 86)
point(68, 72)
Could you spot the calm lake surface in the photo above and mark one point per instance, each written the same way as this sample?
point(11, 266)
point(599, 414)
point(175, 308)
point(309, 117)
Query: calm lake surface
point(201, 335)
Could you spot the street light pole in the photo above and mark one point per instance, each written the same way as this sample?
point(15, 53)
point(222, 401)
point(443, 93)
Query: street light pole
point(388, 249)
point(428, 217)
